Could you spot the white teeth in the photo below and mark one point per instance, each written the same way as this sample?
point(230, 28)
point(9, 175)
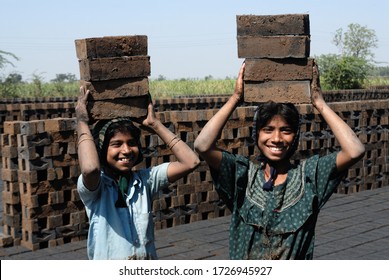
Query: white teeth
point(277, 149)
point(125, 159)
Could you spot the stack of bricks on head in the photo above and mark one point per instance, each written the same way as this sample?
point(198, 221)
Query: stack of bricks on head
point(276, 51)
point(115, 69)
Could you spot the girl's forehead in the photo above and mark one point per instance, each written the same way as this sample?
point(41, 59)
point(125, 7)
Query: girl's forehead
point(277, 119)
point(121, 135)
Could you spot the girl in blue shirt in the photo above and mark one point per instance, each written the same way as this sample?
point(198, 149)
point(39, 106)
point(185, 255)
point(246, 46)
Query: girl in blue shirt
point(118, 200)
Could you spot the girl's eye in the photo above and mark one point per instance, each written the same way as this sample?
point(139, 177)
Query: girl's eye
point(132, 143)
point(287, 130)
point(267, 129)
point(115, 144)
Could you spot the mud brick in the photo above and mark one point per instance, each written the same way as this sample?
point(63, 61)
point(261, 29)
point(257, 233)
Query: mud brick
point(119, 88)
point(9, 152)
point(74, 171)
point(12, 127)
point(10, 175)
point(11, 220)
point(273, 46)
point(8, 140)
point(202, 187)
point(270, 25)
point(78, 217)
point(177, 201)
point(111, 46)
point(205, 207)
point(6, 241)
point(278, 91)
point(29, 201)
point(72, 148)
point(278, 69)
point(54, 221)
point(28, 176)
point(185, 189)
point(159, 204)
point(30, 225)
point(10, 186)
point(102, 69)
point(56, 197)
point(11, 197)
point(27, 153)
point(212, 196)
point(134, 107)
point(60, 124)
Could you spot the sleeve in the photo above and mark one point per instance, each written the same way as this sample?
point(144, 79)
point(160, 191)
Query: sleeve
point(327, 178)
point(231, 179)
point(87, 196)
point(158, 178)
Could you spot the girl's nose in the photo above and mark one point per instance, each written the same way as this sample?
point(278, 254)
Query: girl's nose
point(126, 148)
point(276, 136)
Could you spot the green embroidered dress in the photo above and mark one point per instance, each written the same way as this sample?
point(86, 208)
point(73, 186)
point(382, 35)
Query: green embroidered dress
point(277, 224)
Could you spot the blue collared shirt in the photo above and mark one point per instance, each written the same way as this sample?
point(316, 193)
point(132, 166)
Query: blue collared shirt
point(123, 233)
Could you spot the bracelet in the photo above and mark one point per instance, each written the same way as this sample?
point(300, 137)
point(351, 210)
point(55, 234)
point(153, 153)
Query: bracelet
point(171, 146)
point(171, 140)
point(84, 139)
point(84, 133)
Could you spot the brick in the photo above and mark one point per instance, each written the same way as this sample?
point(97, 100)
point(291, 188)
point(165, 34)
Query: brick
point(270, 25)
point(10, 175)
point(11, 127)
point(102, 69)
point(54, 221)
point(9, 152)
point(119, 88)
point(278, 91)
point(135, 107)
point(273, 46)
point(278, 69)
point(60, 124)
point(111, 46)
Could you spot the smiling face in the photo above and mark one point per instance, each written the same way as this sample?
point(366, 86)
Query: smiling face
point(122, 152)
point(275, 139)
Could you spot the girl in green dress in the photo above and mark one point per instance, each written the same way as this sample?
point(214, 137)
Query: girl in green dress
point(274, 203)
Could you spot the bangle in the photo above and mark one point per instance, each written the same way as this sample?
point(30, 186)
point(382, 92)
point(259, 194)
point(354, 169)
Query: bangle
point(84, 139)
point(171, 140)
point(172, 145)
point(84, 133)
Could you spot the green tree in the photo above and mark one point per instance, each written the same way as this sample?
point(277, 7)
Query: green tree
point(349, 69)
point(347, 72)
point(63, 78)
point(4, 61)
point(357, 41)
point(14, 78)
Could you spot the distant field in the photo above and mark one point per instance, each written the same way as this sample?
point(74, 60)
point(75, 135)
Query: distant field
point(158, 89)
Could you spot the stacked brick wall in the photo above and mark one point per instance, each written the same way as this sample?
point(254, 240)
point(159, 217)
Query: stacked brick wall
point(41, 206)
point(39, 165)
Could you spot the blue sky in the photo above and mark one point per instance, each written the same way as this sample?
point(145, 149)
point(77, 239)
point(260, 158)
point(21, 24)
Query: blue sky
point(186, 39)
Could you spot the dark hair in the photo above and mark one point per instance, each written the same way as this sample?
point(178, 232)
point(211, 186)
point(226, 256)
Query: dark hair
point(105, 130)
point(266, 111)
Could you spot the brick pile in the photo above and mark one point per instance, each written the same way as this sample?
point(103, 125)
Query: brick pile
point(116, 70)
point(41, 206)
point(276, 51)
